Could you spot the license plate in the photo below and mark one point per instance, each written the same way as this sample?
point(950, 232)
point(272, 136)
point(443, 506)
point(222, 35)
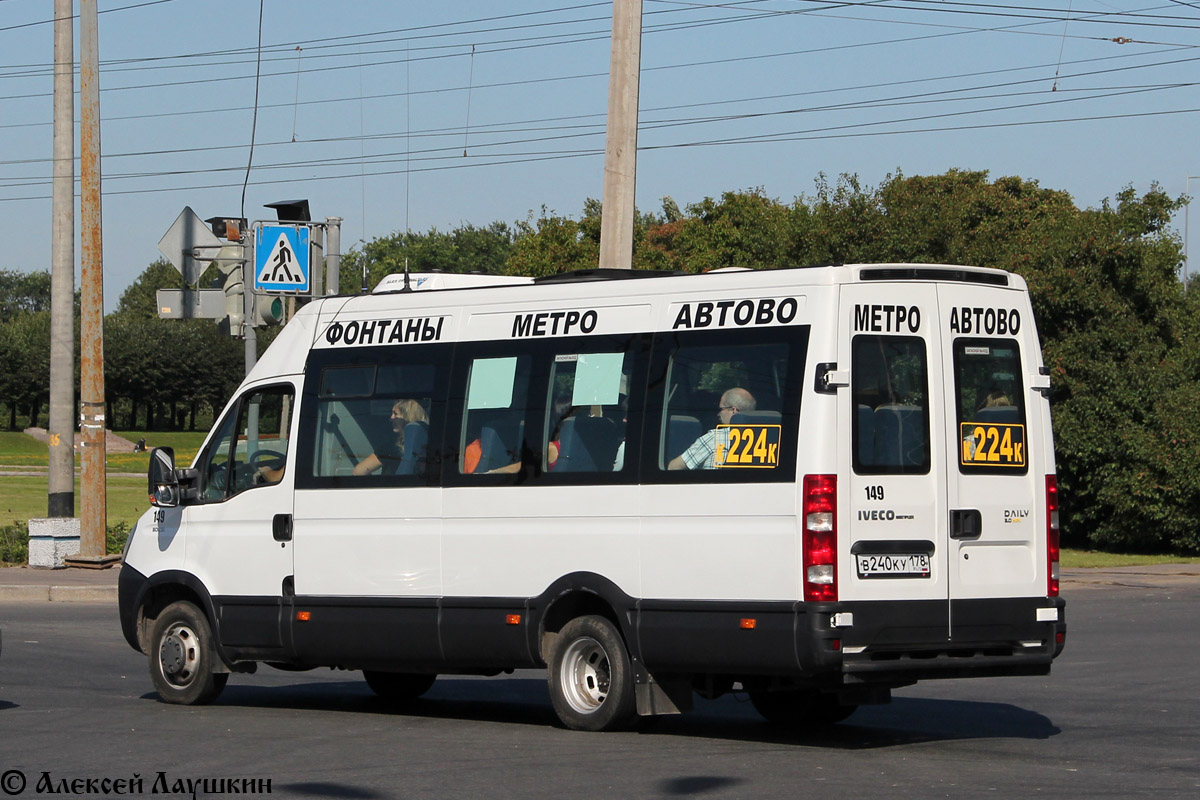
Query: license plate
point(894, 565)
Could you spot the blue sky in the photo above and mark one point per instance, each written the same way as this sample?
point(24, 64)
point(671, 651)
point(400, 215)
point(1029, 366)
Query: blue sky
point(367, 108)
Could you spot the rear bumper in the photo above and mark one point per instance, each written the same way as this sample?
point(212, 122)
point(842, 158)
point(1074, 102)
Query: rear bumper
point(966, 638)
point(885, 643)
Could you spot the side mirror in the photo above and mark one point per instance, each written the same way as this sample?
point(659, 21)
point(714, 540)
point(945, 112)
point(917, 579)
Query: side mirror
point(162, 480)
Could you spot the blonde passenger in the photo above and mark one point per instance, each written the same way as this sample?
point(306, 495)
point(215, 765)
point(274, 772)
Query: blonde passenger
point(403, 412)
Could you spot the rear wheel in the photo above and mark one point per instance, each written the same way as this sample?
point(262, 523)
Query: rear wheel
point(183, 656)
point(800, 708)
point(591, 677)
point(398, 687)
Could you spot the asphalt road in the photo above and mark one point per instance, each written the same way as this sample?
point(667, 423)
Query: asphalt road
point(1119, 717)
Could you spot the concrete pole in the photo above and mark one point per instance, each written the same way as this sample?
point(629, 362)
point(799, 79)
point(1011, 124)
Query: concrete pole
point(61, 494)
point(620, 150)
point(93, 484)
point(333, 255)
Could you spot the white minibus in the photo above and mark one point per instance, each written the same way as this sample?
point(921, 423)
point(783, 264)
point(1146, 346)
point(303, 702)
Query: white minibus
point(811, 485)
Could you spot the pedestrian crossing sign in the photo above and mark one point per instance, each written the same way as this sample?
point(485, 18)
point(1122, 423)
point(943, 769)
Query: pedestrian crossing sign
point(281, 259)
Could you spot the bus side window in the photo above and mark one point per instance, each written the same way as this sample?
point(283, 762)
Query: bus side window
point(585, 426)
point(730, 405)
point(345, 418)
point(492, 437)
point(216, 461)
point(372, 424)
point(250, 447)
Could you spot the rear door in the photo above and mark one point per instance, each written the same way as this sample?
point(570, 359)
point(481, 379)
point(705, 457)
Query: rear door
point(992, 447)
point(894, 459)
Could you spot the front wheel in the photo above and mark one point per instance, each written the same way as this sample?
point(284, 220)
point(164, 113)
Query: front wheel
point(182, 657)
point(591, 677)
point(800, 708)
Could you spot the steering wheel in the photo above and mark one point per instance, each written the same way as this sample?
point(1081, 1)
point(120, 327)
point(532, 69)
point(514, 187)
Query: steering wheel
point(271, 459)
point(267, 458)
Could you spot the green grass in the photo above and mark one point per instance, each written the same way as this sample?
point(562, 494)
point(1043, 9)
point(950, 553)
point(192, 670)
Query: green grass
point(17, 449)
point(185, 443)
point(1076, 559)
point(23, 498)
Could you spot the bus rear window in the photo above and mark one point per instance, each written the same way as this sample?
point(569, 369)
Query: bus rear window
point(890, 384)
point(990, 401)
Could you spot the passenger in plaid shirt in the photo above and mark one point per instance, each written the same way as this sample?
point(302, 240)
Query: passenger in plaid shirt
point(703, 452)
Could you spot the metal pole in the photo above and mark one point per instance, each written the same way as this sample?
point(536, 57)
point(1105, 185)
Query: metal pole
point(251, 352)
point(620, 151)
point(92, 520)
point(333, 255)
point(248, 297)
point(61, 489)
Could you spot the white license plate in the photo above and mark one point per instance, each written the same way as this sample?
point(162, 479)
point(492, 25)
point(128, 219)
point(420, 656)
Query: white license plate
point(894, 565)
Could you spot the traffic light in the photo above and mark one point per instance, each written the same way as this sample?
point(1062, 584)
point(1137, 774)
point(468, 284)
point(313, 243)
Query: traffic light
point(268, 309)
point(229, 261)
point(291, 210)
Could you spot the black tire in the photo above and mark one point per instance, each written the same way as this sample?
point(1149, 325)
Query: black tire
point(591, 677)
point(398, 687)
point(800, 708)
point(183, 657)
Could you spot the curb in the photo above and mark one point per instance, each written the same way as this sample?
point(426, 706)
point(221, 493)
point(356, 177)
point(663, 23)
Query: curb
point(58, 594)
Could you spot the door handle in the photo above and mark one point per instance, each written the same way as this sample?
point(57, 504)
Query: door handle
point(281, 527)
point(965, 523)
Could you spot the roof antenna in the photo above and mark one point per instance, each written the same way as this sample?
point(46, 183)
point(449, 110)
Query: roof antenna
point(407, 171)
point(364, 265)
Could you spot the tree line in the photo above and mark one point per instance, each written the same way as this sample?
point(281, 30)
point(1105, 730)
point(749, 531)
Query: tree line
point(159, 374)
point(1120, 332)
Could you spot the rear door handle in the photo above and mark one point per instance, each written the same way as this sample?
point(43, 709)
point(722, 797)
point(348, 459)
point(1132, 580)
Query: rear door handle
point(965, 523)
point(281, 527)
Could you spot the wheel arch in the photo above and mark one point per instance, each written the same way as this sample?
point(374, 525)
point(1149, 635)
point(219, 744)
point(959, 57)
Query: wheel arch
point(580, 594)
point(164, 588)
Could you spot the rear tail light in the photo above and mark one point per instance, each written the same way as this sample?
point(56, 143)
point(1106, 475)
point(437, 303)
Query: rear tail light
point(820, 538)
point(1052, 536)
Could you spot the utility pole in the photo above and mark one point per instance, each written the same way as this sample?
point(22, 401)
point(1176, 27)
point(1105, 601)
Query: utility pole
point(333, 255)
point(93, 519)
point(620, 149)
point(1187, 188)
point(61, 490)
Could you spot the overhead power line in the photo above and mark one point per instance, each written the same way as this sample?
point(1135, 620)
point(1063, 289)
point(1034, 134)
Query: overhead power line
point(458, 163)
point(499, 144)
point(451, 149)
point(651, 123)
point(286, 50)
point(105, 11)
